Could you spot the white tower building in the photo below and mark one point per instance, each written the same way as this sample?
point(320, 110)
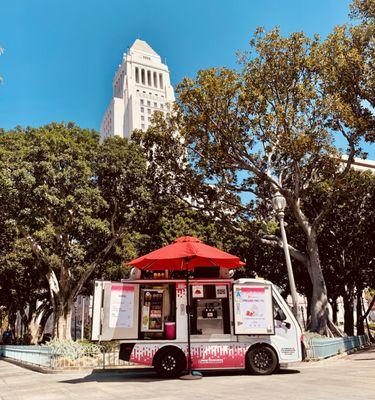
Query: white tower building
point(141, 86)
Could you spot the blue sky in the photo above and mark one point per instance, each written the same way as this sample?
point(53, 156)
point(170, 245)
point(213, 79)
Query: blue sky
point(60, 55)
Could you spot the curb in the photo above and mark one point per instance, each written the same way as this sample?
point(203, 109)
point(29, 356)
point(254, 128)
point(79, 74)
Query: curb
point(31, 367)
point(47, 370)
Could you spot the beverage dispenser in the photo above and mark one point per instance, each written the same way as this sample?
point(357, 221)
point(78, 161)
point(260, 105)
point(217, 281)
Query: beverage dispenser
point(209, 314)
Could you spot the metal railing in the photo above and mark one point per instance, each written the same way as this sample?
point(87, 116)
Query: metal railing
point(36, 355)
point(48, 357)
point(90, 359)
point(323, 348)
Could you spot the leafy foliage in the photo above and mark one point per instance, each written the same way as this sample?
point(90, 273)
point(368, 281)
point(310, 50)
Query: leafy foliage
point(71, 200)
point(271, 126)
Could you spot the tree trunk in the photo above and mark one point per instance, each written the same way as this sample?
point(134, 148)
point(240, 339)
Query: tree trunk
point(37, 322)
point(319, 299)
point(334, 311)
point(308, 311)
point(33, 328)
point(369, 308)
point(46, 314)
point(348, 314)
point(30, 325)
point(12, 317)
point(62, 320)
point(360, 324)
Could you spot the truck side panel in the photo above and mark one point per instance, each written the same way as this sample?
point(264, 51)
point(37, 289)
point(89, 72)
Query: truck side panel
point(204, 355)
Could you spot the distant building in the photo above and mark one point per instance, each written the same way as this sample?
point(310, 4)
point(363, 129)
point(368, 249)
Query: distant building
point(141, 86)
point(359, 164)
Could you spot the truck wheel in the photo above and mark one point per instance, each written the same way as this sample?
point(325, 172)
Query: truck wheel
point(169, 363)
point(261, 360)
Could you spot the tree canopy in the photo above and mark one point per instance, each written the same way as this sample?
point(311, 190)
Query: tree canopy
point(271, 126)
point(71, 200)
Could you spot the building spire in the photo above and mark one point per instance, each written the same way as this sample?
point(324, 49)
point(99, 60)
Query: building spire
point(141, 86)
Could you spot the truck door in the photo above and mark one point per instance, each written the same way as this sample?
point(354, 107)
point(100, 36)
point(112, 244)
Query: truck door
point(115, 311)
point(287, 332)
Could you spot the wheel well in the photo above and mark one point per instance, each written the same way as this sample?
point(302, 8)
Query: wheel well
point(255, 345)
point(165, 348)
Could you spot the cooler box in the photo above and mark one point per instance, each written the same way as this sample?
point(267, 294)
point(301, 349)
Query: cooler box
point(170, 330)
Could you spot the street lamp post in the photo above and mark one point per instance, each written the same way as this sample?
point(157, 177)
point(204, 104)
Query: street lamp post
point(279, 204)
point(75, 322)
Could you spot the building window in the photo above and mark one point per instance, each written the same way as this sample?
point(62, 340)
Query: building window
point(149, 103)
point(149, 119)
point(149, 110)
point(142, 118)
point(143, 126)
point(155, 104)
point(143, 76)
point(155, 79)
point(161, 81)
point(137, 74)
point(142, 109)
point(142, 101)
point(149, 78)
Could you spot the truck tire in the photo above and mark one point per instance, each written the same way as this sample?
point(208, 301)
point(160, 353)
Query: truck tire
point(169, 362)
point(261, 360)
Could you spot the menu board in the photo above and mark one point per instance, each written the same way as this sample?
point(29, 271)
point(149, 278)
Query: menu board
point(121, 306)
point(198, 291)
point(253, 313)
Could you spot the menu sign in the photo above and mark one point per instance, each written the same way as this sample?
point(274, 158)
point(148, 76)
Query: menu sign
point(221, 291)
point(253, 313)
point(198, 292)
point(121, 312)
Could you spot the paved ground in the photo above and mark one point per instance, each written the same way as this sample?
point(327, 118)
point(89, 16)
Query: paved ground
point(348, 378)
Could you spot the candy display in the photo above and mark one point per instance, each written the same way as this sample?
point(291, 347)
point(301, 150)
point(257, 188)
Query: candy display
point(152, 310)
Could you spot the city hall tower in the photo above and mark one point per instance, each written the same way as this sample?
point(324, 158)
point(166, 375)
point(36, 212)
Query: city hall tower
point(141, 85)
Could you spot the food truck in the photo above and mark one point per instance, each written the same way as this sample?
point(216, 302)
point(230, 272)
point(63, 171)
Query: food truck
point(234, 324)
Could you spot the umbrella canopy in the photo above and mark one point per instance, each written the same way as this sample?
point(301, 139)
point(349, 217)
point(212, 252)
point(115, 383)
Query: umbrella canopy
point(186, 252)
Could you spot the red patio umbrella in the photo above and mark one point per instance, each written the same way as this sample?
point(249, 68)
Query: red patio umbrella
point(186, 253)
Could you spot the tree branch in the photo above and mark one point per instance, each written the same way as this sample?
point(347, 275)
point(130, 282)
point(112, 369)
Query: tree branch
point(95, 263)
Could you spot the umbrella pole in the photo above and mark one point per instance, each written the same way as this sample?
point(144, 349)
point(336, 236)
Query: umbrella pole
point(191, 375)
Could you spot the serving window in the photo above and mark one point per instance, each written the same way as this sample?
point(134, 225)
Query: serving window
point(210, 309)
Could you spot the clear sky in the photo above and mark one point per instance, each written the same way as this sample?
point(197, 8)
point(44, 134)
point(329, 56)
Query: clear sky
point(60, 55)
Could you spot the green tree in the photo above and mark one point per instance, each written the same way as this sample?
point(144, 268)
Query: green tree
point(23, 290)
point(347, 242)
point(269, 127)
point(347, 68)
point(72, 200)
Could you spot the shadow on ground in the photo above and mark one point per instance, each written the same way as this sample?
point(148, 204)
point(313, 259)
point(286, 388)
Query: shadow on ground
point(366, 354)
point(148, 375)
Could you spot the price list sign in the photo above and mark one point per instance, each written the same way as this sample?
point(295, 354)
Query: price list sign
point(121, 306)
point(253, 310)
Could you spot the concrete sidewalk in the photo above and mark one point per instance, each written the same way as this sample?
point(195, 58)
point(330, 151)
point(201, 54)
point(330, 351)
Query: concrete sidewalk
point(351, 377)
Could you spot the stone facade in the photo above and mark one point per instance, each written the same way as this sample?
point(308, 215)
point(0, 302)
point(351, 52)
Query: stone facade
point(141, 86)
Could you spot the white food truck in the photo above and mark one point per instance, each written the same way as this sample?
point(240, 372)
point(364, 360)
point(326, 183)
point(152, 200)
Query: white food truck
point(234, 324)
